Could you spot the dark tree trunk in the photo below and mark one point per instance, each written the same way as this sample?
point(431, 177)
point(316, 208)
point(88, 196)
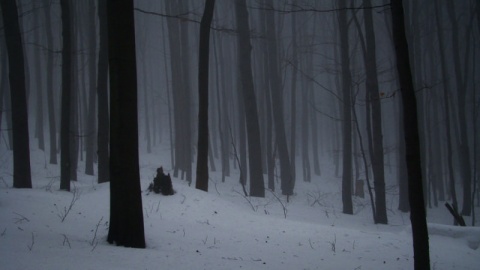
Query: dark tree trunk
point(75, 109)
point(314, 129)
point(478, 14)
point(307, 175)
point(7, 100)
point(461, 90)
point(102, 94)
point(222, 110)
point(268, 139)
point(169, 106)
point(446, 99)
point(91, 129)
point(65, 163)
point(177, 84)
point(21, 150)
point(178, 34)
point(203, 70)
point(49, 78)
point(347, 111)
point(242, 136)
point(185, 100)
point(126, 211)
point(3, 78)
point(402, 178)
point(269, 147)
point(374, 98)
point(277, 105)
point(146, 98)
point(39, 86)
point(293, 99)
point(412, 140)
point(257, 188)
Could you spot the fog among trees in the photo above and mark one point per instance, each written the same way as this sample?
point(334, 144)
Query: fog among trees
point(270, 93)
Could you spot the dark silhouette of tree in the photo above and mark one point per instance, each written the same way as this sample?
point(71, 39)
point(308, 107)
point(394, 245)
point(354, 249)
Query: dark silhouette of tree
point(203, 70)
point(21, 148)
point(287, 183)
point(403, 204)
point(412, 140)
point(126, 211)
point(90, 123)
point(257, 186)
point(461, 91)
point(268, 141)
point(447, 111)
point(293, 98)
point(347, 110)
point(38, 85)
point(5, 101)
point(3, 76)
point(373, 97)
point(102, 94)
point(179, 50)
point(65, 120)
point(49, 83)
point(222, 107)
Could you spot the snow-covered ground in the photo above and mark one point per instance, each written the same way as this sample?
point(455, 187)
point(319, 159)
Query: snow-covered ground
point(220, 229)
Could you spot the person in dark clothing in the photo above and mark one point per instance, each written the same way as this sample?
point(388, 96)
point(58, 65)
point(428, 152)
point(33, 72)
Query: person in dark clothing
point(162, 183)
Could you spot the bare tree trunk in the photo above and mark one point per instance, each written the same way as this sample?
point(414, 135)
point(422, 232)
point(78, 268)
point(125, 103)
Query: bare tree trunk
point(314, 129)
point(49, 78)
point(3, 81)
point(287, 183)
point(461, 90)
point(21, 148)
point(377, 136)
point(92, 95)
point(402, 177)
point(257, 188)
point(347, 110)
point(65, 124)
point(126, 211)
point(169, 102)
point(75, 108)
point(412, 140)
point(446, 98)
point(185, 102)
point(307, 172)
point(293, 98)
point(178, 42)
point(203, 71)
point(222, 111)
point(102, 94)
point(39, 129)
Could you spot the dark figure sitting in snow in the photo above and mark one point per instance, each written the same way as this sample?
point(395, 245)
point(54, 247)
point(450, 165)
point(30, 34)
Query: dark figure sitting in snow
point(162, 183)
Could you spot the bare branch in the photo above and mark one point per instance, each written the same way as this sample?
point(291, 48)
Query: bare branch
point(298, 8)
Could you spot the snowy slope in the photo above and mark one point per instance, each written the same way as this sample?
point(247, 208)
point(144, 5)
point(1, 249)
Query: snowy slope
point(217, 230)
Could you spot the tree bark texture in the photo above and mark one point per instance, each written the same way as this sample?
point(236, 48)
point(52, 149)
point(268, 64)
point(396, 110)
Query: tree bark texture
point(103, 131)
point(49, 84)
point(257, 188)
point(126, 211)
point(91, 127)
point(203, 71)
point(65, 162)
point(277, 105)
point(347, 110)
point(412, 140)
point(377, 136)
point(21, 148)
point(461, 90)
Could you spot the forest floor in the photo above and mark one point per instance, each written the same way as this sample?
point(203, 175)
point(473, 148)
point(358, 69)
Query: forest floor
point(44, 228)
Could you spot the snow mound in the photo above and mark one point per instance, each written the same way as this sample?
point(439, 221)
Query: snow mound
point(470, 234)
